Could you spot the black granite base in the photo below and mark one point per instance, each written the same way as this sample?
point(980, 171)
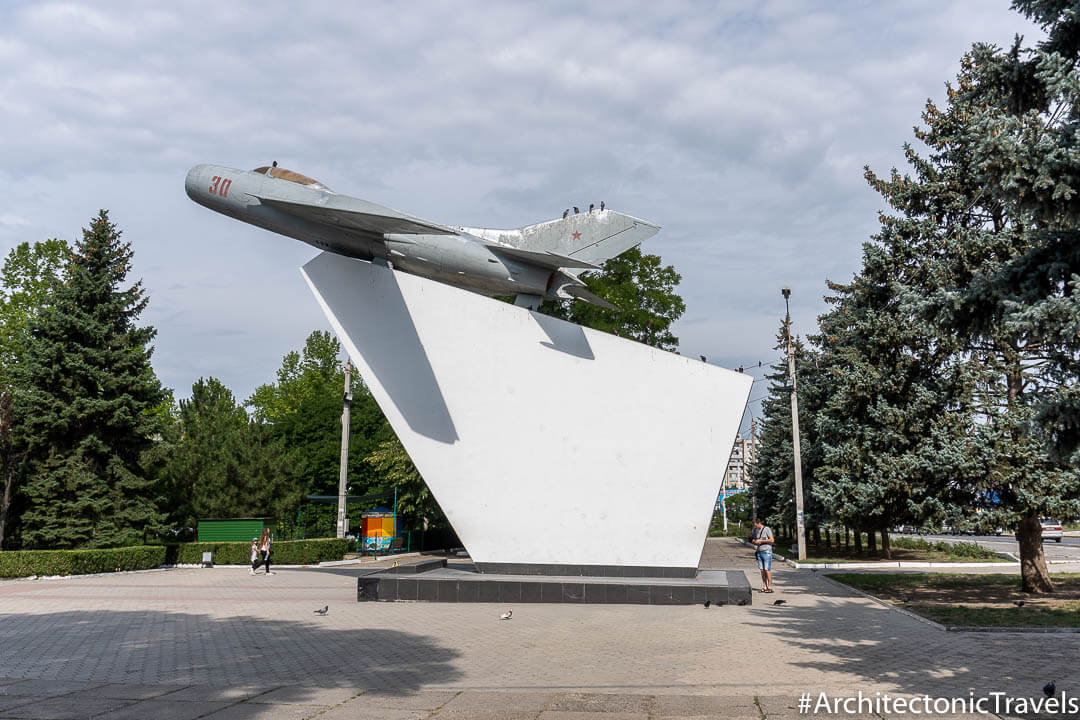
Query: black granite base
point(616, 571)
point(462, 583)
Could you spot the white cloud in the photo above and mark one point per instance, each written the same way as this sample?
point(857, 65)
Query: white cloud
point(740, 128)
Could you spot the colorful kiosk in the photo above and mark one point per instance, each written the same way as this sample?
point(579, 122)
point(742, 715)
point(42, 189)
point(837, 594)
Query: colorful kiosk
point(378, 528)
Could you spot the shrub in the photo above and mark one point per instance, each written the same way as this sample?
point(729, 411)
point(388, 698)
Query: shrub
point(24, 563)
point(285, 552)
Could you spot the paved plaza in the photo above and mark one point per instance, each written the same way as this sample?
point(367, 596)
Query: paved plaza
point(218, 643)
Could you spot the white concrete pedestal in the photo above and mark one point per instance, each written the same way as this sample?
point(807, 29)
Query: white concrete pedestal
point(550, 447)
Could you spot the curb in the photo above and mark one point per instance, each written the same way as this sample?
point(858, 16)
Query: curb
point(952, 628)
point(897, 564)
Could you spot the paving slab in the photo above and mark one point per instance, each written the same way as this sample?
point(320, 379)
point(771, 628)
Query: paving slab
point(301, 695)
point(262, 711)
point(570, 715)
point(470, 702)
point(718, 706)
point(165, 710)
point(602, 703)
point(65, 708)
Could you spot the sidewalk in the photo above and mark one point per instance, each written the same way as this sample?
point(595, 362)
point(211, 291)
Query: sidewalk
point(218, 643)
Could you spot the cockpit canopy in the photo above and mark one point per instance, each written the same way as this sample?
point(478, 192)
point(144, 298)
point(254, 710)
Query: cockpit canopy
point(282, 174)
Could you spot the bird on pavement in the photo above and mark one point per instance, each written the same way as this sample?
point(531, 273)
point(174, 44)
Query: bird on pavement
point(742, 602)
point(1018, 603)
point(323, 610)
point(905, 599)
point(1050, 688)
point(707, 604)
point(779, 602)
point(507, 615)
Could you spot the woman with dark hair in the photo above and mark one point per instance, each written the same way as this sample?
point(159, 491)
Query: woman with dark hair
point(264, 549)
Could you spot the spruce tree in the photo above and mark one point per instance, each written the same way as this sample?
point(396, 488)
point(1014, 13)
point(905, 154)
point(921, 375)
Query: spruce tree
point(85, 415)
point(222, 465)
point(990, 217)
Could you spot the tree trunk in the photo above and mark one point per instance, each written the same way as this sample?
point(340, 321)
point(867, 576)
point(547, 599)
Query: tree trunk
point(858, 542)
point(5, 504)
point(871, 541)
point(886, 551)
point(828, 539)
point(1033, 573)
point(847, 539)
point(817, 535)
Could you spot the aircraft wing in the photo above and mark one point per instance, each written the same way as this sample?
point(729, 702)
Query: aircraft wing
point(543, 259)
point(368, 217)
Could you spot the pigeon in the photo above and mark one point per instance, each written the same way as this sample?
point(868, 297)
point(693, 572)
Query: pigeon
point(591, 206)
point(565, 213)
point(742, 602)
point(507, 615)
point(1018, 603)
point(323, 610)
point(273, 164)
point(1050, 688)
point(779, 602)
point(601, 204)
point(707, 604)
point(576, 211)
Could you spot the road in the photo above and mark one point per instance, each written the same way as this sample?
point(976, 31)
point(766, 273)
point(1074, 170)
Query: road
point(1067, 549)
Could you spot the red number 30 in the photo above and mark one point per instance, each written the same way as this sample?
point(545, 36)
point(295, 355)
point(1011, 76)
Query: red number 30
point(220, 186)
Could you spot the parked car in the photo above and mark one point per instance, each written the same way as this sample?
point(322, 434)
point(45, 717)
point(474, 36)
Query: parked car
point(1051, 529)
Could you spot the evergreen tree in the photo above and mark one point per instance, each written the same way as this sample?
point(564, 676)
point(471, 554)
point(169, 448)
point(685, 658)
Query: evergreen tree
point(27, 280)
point(84, 417)
point(990, 217)
point(222, 465)
point(643, 292)
point(772, 473)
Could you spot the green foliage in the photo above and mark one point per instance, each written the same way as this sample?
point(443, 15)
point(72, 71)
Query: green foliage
point(416, 506)
point(284, 552)
point(302, 410)
point(84, 416)
point(27, 279)
point(641, 288)
point(221, 465)
point(45, 563)
point(959, 549)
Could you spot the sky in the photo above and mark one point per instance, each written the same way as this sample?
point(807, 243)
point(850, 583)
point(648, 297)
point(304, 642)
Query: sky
point(740, 128)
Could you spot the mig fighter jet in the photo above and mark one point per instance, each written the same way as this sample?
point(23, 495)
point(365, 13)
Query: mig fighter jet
point(533, 263)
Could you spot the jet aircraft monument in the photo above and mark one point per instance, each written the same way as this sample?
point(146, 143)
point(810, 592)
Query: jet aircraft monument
point(533, 262)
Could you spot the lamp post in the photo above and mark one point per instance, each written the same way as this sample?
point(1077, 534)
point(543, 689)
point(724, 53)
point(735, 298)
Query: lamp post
point(800, 523)
point(343, 472)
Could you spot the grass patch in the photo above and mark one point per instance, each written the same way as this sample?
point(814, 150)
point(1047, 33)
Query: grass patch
point(906, 550)
point(974, 600)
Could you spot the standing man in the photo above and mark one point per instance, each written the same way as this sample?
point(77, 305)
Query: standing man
point(762, 538)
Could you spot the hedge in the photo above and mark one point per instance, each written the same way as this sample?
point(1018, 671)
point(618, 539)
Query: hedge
point(285, 552)
point(23, 563)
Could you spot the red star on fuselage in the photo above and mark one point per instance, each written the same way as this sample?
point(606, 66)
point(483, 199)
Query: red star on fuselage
point(577, 235)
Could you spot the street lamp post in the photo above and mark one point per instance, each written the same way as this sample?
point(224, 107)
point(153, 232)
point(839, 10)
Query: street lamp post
point(343, 470)
point(800, 522)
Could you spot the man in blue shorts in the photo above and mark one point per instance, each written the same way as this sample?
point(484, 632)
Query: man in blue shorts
point(762, 538)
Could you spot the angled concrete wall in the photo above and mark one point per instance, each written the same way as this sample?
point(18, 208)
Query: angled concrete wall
point(544, 442)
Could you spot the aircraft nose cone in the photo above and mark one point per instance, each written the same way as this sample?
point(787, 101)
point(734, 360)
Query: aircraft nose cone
point(193, 182)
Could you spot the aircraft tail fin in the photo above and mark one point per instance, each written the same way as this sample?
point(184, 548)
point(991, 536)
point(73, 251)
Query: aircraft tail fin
point(592, 237)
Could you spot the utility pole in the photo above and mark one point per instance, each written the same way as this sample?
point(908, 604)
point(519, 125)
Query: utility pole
point(723, 498)
point(343, 475)
point(800, 521)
